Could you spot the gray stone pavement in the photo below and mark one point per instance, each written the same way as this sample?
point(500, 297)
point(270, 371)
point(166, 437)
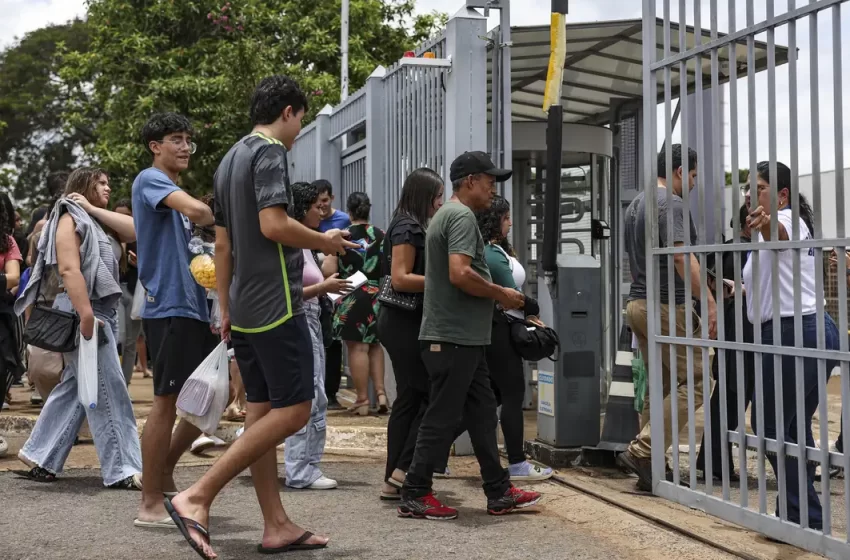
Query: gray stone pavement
point(76, 518)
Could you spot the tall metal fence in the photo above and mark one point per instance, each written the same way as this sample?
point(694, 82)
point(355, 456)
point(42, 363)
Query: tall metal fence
point(374, 139)
point(785, 366)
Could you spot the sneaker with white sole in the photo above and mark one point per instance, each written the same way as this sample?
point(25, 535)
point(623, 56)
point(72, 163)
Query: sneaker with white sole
point(206, 442)
point(323, 483)
point(4, 447)
point(5, 406)
point(529, 472)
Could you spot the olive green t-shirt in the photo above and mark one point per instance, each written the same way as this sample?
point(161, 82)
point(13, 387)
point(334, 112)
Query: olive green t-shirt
point(450, 314)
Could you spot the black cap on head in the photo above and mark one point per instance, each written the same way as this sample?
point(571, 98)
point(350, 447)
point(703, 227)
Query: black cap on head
point(471, 163)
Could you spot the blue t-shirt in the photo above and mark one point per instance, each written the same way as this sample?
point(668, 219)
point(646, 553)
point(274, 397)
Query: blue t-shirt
point(162, 237)
point(338, 220)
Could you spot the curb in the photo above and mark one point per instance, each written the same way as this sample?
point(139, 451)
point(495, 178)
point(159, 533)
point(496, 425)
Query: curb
point(361, 441)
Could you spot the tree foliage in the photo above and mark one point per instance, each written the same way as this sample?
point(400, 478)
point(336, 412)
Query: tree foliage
point(34, 142)
point(203, 58)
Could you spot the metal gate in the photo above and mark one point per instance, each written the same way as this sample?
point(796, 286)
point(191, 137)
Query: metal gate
point(807, 345)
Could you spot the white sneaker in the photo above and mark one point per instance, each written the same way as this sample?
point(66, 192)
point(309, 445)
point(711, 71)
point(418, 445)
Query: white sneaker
point(324, 483)
point(5, 406)
point(4, 447)
point(205, 442)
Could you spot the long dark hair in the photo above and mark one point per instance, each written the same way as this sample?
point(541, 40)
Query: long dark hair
point(7, 222)
point(420, 189)
point(783, 181)
point(37, 215)
point(490, 223)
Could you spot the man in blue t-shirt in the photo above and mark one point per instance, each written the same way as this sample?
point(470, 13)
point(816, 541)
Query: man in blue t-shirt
point(331, 219)
point(174, 315)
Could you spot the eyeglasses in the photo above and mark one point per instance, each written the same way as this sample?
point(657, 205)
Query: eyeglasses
point(179, 142)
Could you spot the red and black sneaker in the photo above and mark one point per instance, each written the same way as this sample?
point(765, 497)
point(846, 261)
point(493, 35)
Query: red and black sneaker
point(513, 499)
point(426, 507)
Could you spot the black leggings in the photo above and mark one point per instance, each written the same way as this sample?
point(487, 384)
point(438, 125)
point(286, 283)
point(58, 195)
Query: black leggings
point(508, 381)
point(399, 334)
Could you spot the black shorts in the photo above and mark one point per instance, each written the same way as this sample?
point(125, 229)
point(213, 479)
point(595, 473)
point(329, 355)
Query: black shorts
point(277, 365)
point(178, 345)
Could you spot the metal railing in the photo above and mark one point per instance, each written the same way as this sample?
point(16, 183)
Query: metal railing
point(778, 286)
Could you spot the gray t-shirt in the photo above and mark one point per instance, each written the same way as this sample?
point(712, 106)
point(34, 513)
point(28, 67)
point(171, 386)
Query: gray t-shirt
point(449, 313)
point(267, 277)
point(635, 243)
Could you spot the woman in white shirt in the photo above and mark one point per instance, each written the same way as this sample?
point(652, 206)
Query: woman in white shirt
point(760, 222)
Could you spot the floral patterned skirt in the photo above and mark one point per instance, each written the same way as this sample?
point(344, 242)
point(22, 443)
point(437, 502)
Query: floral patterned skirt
point(356, 315)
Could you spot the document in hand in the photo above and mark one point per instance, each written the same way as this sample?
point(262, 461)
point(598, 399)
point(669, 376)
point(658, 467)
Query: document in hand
point(357, 279)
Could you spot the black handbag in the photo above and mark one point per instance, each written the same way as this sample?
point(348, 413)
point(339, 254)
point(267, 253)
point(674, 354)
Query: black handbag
point(533, 342)
point(400, 300)
point(52, 329)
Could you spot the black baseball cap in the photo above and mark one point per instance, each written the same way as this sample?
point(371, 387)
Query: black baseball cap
point(471, 163)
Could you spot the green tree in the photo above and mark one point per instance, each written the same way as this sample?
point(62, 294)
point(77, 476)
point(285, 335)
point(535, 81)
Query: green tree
point(34, 143)
point(203, 58)
point(743, 174)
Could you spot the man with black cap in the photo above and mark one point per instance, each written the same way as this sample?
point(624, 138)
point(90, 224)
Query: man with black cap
point(457, 318)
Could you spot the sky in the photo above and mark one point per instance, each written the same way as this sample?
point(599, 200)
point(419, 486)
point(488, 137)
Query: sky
point(21, 16)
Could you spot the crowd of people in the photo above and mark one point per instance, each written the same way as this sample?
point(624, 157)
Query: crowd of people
point(766, 193)
point(286, 302)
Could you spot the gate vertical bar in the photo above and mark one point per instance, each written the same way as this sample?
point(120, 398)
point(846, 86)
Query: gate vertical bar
point(650, 177)
point(753, 182)
point(838, 97)
point(506, 144)
point(739, 320)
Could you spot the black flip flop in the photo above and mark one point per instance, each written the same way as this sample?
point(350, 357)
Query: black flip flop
point(296, 545)
point(181, 523)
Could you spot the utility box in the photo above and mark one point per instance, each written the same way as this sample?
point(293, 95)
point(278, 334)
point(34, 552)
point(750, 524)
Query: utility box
point(568, 408)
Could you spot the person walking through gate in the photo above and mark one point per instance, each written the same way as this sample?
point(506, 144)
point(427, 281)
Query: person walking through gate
point(174, 316)
point(403, 263)
point(456, 325)
point(504, 362)
point(259, 266)
point(637, 458)
point(759, 221)
point(731, 393)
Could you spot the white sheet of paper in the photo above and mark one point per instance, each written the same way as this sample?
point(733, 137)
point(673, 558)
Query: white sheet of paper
point(357, 280)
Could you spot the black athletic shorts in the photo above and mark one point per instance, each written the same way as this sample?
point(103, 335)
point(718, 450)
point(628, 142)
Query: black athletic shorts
point(178, 345)
point(277, 365)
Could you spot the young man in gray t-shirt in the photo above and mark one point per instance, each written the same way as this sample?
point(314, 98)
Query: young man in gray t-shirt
point(637, 457)
point(456, 324)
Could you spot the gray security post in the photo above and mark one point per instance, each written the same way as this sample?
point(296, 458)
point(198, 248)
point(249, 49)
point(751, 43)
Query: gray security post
point(376, 147)
point(466, 103)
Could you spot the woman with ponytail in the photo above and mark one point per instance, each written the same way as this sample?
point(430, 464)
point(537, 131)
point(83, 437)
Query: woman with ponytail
point(759, 290)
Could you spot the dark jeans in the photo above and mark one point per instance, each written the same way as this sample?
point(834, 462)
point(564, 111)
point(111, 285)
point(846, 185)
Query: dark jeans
point(460, 390)
point(333, 369)
point(810, 396)
point(731, 389)
point(508, 382)
point(398, 331)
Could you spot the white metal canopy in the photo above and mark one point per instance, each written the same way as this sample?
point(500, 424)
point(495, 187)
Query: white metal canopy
point(604, 65)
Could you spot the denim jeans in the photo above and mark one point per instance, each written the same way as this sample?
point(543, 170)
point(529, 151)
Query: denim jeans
point(304, 449)
point(129, 330)
point(112, 423)
point(810, 397)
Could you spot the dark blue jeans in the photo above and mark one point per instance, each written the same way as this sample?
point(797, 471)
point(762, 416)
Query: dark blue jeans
point(810, 396)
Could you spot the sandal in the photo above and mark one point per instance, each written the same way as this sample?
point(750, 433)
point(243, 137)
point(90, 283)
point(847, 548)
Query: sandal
point(360, 408)
point(383, 405)
point(184, 524)
point(234, 415)
point(37, 474)
point(297, 544)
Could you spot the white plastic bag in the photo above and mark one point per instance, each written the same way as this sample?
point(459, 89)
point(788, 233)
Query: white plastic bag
point(138, 301)
point(87, 369)
point(204, 396)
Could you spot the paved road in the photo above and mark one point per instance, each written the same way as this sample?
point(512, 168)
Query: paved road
point(77, 518)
